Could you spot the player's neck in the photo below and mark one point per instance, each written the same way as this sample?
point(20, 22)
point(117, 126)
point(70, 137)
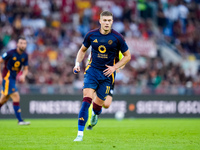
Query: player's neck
point(19, 51)
point(104, 31)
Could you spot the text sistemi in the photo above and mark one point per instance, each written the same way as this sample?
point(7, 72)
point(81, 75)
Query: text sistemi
point(156, 107)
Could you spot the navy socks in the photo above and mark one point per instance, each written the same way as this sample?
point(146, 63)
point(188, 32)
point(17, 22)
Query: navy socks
point(17, 111)
point(83, 114)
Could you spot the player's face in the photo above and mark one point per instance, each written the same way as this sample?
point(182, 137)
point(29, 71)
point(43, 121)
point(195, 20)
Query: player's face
point(21, 45)
point(106, 22)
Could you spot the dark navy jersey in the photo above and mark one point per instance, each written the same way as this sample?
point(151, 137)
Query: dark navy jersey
point(13, 63)
point(105, 48)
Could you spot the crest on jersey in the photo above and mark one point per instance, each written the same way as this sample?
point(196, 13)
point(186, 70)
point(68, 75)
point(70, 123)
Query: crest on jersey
point(22, 59)
point(95, 41)
point(14, 58)
point(110, 42)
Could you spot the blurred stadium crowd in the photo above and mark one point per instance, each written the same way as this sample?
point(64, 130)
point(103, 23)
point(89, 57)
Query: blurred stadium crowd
point(55, 30)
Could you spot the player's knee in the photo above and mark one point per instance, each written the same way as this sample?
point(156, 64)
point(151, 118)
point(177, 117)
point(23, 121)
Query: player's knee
point(4, 99)
point(87, 99)
point(16, 99)
point(107, 102)
point(106, 106)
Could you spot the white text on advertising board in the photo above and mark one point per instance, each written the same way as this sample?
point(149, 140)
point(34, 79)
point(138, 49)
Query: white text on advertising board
point(70, 107)
point(167, 107)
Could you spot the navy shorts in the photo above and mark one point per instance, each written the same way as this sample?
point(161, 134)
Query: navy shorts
point(8, 86)
point(95, 79)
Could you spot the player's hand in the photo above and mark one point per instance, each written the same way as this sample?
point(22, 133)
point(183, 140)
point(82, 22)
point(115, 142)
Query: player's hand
point(108, 72)
point(76, 69)
point(22, 78)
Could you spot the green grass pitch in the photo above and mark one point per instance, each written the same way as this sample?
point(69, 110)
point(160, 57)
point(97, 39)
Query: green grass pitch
point(108, 134)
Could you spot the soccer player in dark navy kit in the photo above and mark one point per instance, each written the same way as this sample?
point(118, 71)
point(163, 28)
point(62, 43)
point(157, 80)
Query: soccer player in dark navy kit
point(109, 97)
point(100, 73)
point(13, 61)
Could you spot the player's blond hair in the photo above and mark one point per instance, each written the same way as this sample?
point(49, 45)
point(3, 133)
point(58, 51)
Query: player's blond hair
point(106, 13)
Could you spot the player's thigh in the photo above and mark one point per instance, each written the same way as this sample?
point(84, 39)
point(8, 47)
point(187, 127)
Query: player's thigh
point(108, 101)
point(15, 96)
point(4, 98)
point(90, 84)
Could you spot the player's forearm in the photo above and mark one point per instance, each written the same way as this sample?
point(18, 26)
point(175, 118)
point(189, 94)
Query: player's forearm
point(0, 69)
point(122, 67)
point(1, 61)
point(81, 54)
point(122, 62)
point(25, 72)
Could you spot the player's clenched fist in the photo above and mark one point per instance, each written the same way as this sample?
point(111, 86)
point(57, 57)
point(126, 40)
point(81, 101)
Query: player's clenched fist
point(76, 68)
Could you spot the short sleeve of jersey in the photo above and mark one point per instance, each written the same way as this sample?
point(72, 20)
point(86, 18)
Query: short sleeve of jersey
point(86, 41)
point(123, 45)
point(6, 55)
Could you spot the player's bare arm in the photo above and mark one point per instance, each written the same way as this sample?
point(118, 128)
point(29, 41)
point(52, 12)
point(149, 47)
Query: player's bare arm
point(110, 69)
point(79, 58)
point(23, 76)
point(1, 61)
